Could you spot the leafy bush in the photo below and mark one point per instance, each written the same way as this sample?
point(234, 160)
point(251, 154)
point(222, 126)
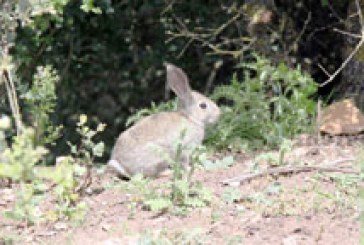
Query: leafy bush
point(66, 179)
point(69, 178)
point(72, 174)
point(270, 104)
point(41, 101)
point(19, 165)
point(21, 158)
point(18, 162)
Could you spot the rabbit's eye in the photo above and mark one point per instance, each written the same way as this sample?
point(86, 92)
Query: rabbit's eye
point(203, 105)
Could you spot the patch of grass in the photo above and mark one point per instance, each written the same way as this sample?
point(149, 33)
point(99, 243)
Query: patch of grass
point(208, 164)
point(274, 159)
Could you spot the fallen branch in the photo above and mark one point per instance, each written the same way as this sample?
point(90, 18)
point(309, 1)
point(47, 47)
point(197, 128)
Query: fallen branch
point(291, 170)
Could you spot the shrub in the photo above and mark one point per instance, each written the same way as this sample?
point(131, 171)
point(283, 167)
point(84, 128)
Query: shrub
point(41, 101)
point(19, 165)
point(270, 104)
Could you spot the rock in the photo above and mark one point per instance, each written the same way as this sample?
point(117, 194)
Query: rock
point(60, 226)
point(342, 117)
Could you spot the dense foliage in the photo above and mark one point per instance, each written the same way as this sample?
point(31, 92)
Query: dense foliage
point(272, 104)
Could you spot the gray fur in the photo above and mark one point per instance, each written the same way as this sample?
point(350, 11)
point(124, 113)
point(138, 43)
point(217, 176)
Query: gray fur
point(139, 149)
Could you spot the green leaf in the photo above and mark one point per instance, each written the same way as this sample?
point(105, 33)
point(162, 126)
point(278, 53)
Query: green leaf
point(98, 149)
point(324, 3)
point(158, 204)
point(231, 195)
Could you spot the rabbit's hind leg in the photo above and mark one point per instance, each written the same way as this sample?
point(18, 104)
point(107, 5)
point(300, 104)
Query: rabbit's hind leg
point(155, 170)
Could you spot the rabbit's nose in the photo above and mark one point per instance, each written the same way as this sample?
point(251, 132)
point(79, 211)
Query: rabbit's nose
point(215, 116)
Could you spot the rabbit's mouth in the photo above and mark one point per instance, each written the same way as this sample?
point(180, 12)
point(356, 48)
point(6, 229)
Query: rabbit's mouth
point(214, 117)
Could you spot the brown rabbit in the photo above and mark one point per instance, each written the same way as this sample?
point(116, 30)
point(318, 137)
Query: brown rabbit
point(138, 149)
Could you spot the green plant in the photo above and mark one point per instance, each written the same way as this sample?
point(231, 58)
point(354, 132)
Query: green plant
point(21, 158)
point(231, 195)
point(19, 165)
point(41, 102)
point(271, 104)
point(208, 164)
point(275, 158)
point(70, 176)
point(9, 239)
point(65, 178)
point(151, 197)
point(186, 193)
point(5, 124)
point(88, 150)
point(73, 174)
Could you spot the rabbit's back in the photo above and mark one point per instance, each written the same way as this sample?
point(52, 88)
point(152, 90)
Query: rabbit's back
point(140, 149)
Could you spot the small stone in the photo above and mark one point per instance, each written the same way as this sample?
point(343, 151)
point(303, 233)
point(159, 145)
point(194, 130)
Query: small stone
point(105, 227)
point(60, 226)
point(111, 241)
point(291, 240)
point(234, 184)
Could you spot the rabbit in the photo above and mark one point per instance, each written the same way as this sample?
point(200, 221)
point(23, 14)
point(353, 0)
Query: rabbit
point(138, 149)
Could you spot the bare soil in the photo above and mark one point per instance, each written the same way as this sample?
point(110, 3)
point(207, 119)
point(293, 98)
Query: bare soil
point(307, 208)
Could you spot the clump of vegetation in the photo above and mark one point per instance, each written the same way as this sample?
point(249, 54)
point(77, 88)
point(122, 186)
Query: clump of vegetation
point(275, 159)
point(22, 154)
point(19, 165)
point(85, 154)
point(73, 173)
point(41, 101)
point(271, 103)
point(70, 176)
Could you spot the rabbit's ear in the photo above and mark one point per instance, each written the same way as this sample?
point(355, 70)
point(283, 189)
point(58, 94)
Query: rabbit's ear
point(177, 80)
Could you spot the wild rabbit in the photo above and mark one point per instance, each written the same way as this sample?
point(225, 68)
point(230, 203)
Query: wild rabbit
point(138, 149)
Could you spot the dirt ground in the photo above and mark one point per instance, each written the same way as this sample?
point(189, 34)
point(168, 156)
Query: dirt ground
point(313, 207)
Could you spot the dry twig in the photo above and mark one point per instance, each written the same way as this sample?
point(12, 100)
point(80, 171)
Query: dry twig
point(355, 50)
point(292, 170)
